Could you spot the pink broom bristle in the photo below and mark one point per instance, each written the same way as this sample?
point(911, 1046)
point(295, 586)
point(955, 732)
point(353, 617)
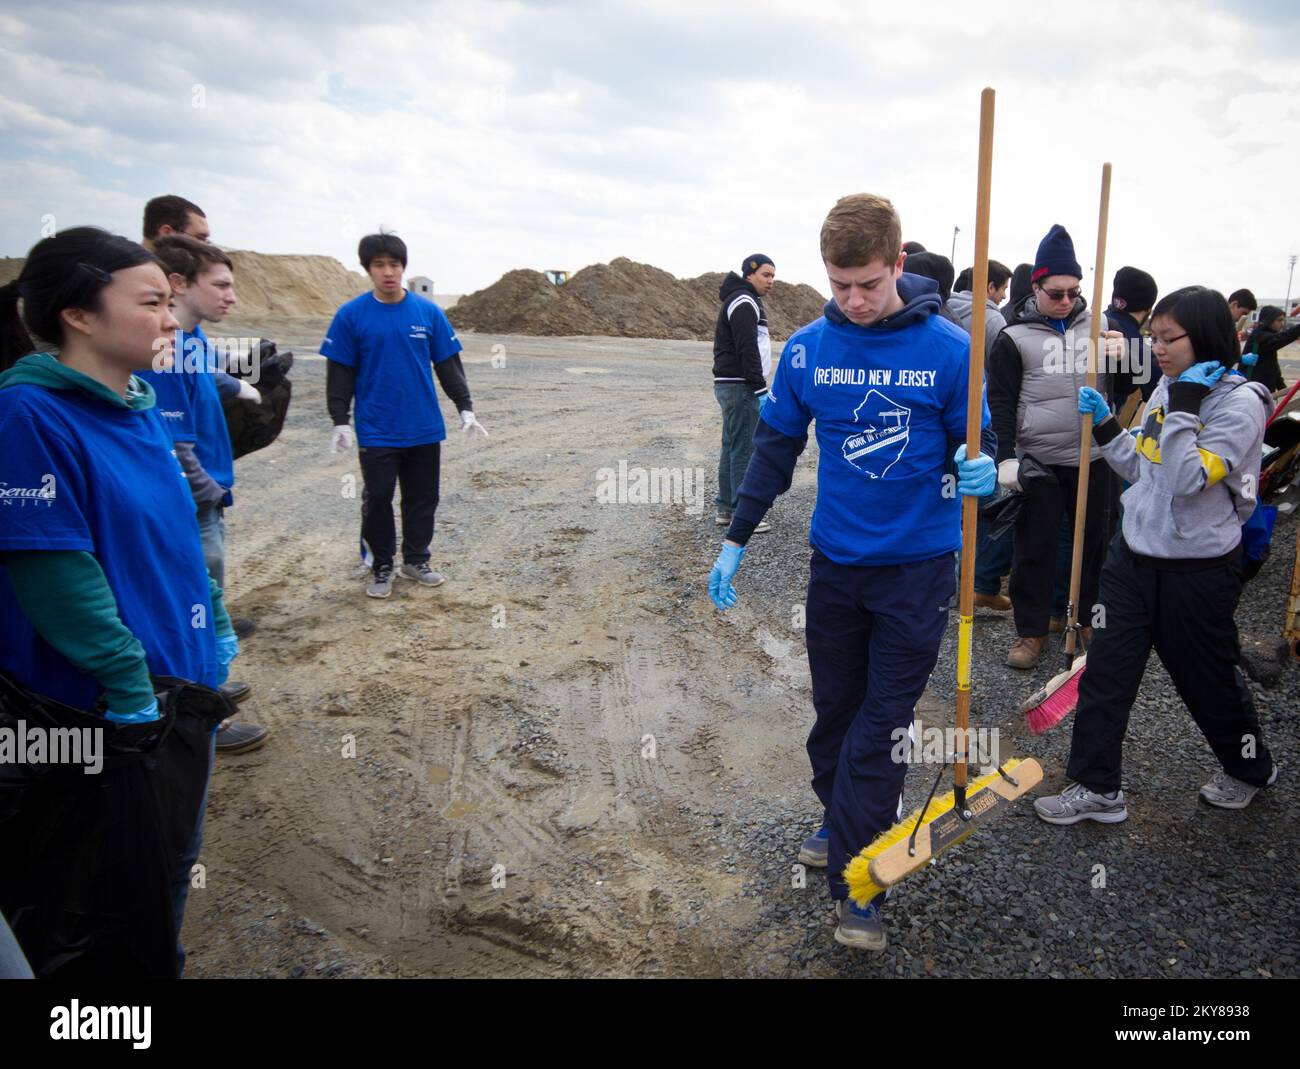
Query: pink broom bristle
point(1055, 707)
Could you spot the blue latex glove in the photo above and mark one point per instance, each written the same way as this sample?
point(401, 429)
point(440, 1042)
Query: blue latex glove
point(762, 402)
point(227, 651)
point(724, 570)
point(1249, 359)
point(142, 717)
point(1206, 373)
point(975, 478)
point(1091, 401)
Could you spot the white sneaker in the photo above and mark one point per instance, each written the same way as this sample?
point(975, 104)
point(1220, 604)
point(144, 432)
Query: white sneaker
point(1229, 793)
point(1077, 803)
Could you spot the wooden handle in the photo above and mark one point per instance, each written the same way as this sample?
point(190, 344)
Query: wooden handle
point(1085, 427)
point(974, 418)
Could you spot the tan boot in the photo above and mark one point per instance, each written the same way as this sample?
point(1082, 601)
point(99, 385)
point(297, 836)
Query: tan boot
point(1024, 652)
point(996, 602)
point(1056, 624)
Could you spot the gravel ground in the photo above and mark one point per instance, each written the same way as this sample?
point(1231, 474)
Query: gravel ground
point(518, 751)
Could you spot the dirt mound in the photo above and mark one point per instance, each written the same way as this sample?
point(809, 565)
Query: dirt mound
point(273, 285)
point(622, 299)
point(292, 285)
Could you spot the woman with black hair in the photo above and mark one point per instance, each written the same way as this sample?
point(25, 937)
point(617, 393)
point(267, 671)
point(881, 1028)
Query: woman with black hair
point(1173, 573)
point(102, 578)
point(1259, 359)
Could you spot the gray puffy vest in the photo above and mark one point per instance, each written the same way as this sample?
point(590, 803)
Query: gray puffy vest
point(1053, 367)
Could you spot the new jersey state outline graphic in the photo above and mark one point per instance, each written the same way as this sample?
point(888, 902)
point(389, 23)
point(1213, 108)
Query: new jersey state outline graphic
point(876, 446)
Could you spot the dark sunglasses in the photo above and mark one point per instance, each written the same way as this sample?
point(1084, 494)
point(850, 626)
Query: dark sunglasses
point(1060, 295)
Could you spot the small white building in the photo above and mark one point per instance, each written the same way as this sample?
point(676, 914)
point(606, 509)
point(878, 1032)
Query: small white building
point(420, 285)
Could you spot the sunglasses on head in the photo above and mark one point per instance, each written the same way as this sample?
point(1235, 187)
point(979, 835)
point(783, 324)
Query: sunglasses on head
point(1060, 295)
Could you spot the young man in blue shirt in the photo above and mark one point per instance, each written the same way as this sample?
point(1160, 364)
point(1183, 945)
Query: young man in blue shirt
point(885, 378)
point(203, 287)
point(380, 348)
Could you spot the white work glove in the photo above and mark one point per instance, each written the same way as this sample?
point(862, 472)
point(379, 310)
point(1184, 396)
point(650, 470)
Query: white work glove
point(341, 438)
point(249, 392)
point(1009, 475)
point(472, 427)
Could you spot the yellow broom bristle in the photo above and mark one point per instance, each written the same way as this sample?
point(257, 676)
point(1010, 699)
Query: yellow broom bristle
point(857, 873)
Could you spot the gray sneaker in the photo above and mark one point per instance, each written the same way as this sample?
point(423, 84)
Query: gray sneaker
point(815, 848)
point(421, 573)
point(1077, 803)
point(862, 929)
point(722, 519)
point(382, 585)
point(1229, 793)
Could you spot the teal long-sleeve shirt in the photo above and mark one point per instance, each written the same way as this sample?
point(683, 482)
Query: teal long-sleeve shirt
point(66, 596)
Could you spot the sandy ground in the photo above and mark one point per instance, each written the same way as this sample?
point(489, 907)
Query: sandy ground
point(563, 761)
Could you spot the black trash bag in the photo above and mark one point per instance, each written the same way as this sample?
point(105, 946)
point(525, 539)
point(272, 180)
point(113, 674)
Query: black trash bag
point(1002, 512)
point(87, 861)
point(255, 426)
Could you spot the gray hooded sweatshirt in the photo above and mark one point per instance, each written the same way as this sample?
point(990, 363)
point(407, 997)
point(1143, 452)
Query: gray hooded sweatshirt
point(1194, 467)
point(961, 306)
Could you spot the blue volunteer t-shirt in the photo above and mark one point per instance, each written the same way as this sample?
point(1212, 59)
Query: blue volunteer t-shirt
point(393, 348)
point(887, 402)
point(190, 405)
point(77, 473)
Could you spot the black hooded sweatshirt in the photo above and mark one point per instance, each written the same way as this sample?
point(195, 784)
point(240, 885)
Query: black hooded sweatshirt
point(740, 339)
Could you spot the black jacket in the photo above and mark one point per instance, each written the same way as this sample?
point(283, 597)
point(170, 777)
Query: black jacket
point(740, 339)
point(1268, 343)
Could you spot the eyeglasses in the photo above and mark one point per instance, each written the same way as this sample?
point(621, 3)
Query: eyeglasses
point(1060, 295)
point(1164, 343)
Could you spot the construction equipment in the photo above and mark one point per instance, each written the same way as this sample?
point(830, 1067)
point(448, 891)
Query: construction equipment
point(556, 278)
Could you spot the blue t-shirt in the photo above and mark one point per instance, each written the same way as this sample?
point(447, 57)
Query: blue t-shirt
point(393, 348)
point(77, 473)
point(888, 403)
point(190, 405)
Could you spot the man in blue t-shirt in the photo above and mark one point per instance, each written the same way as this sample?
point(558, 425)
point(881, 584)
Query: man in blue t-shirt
point(203, 287)
point(885, 378)
point(380, 349)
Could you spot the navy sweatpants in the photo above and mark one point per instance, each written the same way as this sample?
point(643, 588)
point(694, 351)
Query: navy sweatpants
point(873, 638)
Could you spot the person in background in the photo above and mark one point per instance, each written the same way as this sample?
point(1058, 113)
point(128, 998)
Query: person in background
point(1241, 303)
point(203, 288)
point(742, 362)
point(1259, 361)
point(384, 349)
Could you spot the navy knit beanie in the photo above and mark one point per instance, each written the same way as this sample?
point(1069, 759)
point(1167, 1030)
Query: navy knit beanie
point(1056, 255)
point(753, 263)
point(1134, 290)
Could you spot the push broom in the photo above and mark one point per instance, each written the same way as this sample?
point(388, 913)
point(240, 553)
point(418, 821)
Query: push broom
point(945, 821)
point(1056, 700)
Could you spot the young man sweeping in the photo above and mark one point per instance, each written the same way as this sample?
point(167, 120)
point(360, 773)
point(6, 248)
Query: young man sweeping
point(885, 377)
point(380, 348)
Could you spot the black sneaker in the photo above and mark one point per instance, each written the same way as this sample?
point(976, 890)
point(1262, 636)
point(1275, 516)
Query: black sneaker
point(382, 585)
point(235, 692)
point(240, 738)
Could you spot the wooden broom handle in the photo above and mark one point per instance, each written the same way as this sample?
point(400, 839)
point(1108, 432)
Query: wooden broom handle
point(1085, 422)
point(974, 417)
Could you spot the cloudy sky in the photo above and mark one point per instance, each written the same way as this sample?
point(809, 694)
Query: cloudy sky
point(493, 135)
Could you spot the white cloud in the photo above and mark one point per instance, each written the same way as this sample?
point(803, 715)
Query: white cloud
point(500, 135)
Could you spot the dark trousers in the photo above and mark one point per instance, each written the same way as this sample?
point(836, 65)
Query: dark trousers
point(873, 638)
point(739, 418)
point(992, 556)
point(416, 468)
point(1187, 617)
point(1033, 566)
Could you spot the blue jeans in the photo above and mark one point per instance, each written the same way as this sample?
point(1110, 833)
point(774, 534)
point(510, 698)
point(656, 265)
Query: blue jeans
point(1061, 584)
point(212, 533)
point(739, 418)
point(181, 881)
